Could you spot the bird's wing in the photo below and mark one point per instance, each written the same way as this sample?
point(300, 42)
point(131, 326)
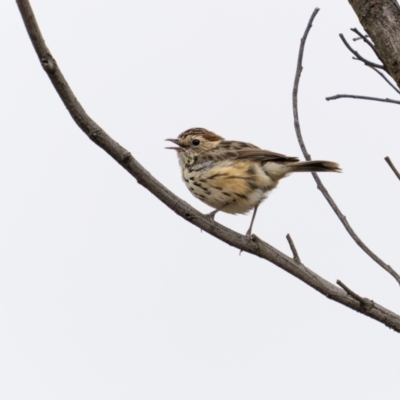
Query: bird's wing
point(233, 150)
point(243, 150)
point(263, 155)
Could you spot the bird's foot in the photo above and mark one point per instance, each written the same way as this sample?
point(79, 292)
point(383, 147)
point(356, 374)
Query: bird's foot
point(211, 216)
point(248, 233)
point(250, 237)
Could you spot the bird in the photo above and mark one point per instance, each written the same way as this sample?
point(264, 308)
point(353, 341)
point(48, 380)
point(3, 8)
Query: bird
point(232, 176)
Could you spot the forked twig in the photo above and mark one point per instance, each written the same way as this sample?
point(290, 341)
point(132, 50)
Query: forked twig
point(369, 64)
point(365, 38)
point(364, 302)
point(320, 185)
point(359, 56)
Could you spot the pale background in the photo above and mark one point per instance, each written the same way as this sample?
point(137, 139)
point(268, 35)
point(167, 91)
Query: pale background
point(107, 294)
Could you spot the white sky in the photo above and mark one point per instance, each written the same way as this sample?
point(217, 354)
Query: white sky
point(107, 294)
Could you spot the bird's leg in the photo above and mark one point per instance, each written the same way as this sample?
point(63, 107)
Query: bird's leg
point(248, 233)
point(211, 215)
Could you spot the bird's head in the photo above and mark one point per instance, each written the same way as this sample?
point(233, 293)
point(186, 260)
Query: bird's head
point(194, 142)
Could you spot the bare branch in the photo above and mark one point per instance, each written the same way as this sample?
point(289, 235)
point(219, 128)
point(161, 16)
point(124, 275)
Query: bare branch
point(353, 96)
point(369, 64)
point(364, 302)
point(293, 248)
point(254, 246)
point(360, 57)
point(391, 165)
point(365, 38)
point(307, 156)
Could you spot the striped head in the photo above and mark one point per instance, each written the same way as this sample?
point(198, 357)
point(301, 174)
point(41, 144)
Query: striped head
point(194, 142)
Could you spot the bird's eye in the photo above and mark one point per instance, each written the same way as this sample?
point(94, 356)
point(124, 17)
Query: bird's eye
point(195, 142)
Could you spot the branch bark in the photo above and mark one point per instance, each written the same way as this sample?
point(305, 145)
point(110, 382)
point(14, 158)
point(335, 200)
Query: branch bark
point(128, 162)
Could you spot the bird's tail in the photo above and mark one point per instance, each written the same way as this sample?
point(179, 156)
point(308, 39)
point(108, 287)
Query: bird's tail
point(314, 166)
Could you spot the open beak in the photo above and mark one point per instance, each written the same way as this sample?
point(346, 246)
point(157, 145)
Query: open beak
point(174, 141)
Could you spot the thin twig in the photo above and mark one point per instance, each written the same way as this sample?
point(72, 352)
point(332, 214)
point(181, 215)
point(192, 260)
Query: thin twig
point(369, 64)
point(293, 248)
point(391, 165)
point(381, 74)
point(307, 156)
point(385, 78)
point(353, 96)
point(180, 207)
point(364, 302)
point(365, 38)
point(360, 57)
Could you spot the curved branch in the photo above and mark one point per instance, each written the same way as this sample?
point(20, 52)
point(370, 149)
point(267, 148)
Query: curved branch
point(299, 70)
point(317, 179)
point(126, 160)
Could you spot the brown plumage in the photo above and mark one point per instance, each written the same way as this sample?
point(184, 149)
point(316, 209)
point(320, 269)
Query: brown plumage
point(232, 176)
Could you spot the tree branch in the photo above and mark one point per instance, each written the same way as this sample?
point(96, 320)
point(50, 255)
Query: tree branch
point(299, 70)
point(391, 165)
point(353, 96)
point(293, 248)
point(307, 156)
point(369, 64)
point(126, 160)
point(364, 302)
